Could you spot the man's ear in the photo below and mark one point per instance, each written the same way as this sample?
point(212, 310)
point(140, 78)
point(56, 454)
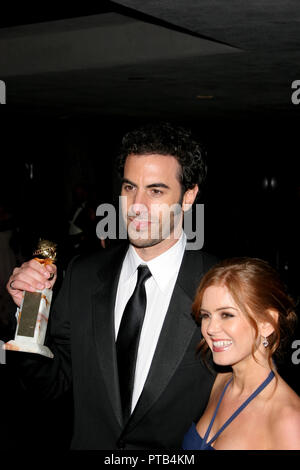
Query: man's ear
point(189, 197)
point(266, 328)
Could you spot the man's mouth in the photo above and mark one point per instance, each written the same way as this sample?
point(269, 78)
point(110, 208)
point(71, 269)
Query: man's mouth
point(139, 224)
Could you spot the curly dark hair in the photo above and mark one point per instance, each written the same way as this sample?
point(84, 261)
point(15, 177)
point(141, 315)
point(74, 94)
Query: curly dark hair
point(166, 139)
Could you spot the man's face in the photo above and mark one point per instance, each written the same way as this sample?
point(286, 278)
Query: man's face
point(152, 206)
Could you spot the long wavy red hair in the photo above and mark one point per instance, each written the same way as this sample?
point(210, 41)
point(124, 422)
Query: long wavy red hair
point(257, 290)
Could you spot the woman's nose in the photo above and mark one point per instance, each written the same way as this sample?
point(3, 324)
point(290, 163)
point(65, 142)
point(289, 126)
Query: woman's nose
point(213, 326)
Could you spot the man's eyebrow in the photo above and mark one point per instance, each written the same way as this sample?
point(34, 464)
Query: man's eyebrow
point(125, 180)
point(152, 185)
point(158, 185)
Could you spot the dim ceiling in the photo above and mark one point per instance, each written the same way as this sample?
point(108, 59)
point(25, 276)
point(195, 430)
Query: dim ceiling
point(176, 58)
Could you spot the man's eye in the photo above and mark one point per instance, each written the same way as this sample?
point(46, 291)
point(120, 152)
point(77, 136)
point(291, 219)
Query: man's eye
point(127, 187)
point(156, 192)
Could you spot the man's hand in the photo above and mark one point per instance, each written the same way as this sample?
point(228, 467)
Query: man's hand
point(31, 276)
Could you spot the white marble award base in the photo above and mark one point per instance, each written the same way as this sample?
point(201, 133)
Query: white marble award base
point(32, 324)
point(21, 345)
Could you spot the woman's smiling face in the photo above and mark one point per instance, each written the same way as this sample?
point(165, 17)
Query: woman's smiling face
point(227, 331)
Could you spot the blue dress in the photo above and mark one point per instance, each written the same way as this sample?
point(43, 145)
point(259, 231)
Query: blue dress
point(193, 441)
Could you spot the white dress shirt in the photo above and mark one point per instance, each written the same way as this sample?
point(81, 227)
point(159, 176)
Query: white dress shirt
point(159, 288)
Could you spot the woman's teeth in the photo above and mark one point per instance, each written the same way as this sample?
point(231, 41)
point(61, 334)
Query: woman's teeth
point(221, 344)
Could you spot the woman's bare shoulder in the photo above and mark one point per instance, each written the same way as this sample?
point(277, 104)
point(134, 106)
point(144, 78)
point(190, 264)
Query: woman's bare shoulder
point(285, 426)
point(286, 433)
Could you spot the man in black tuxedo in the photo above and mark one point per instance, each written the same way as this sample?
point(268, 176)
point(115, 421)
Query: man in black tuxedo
point(162, 168)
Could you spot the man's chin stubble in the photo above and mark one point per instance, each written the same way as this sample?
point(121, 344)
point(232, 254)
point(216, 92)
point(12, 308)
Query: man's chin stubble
point(139, 243)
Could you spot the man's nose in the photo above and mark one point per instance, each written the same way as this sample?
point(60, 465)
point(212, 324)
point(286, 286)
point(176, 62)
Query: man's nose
point(139, 203)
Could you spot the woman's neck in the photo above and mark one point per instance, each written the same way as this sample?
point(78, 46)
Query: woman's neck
point(247, 376)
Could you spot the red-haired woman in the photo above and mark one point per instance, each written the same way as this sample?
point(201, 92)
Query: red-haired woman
point(246, 317)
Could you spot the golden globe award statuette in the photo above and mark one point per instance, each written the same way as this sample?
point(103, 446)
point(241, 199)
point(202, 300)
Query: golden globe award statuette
point(34, 310)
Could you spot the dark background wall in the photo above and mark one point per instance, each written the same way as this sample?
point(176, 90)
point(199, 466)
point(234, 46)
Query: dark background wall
point(77, 80)
point(251, 208)
point(251, 196)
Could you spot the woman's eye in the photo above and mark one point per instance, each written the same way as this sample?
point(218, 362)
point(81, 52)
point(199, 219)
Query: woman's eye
point(203, 316)
point(227, 315)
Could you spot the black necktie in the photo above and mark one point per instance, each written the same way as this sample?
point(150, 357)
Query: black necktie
point(128, 339)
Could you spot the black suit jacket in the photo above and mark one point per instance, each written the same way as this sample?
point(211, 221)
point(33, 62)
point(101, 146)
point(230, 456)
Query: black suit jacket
point(83, 342)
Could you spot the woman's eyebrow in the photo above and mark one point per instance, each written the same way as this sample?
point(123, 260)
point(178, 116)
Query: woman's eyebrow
point(225, 308)
point(217, 309)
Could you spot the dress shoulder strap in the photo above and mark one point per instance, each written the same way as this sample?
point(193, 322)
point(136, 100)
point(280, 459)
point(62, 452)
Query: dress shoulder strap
point(238, 411)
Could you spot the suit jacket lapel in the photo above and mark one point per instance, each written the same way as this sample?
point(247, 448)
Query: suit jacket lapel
point(176, 334)
point(104, 329)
